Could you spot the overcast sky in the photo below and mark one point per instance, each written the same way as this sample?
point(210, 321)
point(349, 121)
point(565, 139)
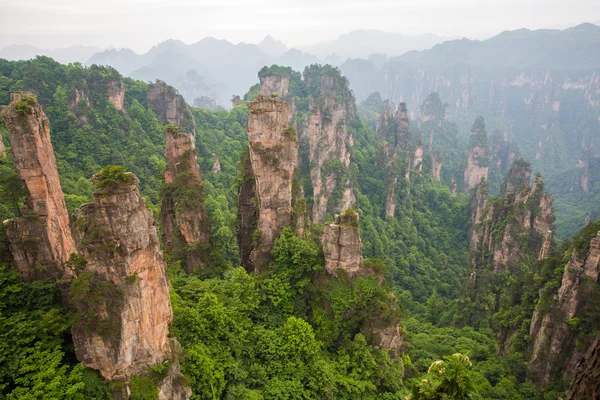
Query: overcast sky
point(139, 24)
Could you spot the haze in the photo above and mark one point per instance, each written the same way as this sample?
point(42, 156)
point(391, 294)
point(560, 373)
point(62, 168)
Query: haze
point(138, 24)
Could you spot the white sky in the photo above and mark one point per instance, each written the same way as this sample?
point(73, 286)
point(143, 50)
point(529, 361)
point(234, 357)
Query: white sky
point(139, 24)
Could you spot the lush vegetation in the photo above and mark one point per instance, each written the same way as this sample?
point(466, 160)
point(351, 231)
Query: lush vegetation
point(290, 332)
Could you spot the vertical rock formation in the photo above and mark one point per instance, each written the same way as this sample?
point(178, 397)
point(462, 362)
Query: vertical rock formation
point(506, 232)
point(170, 107)
point(116, 93)
point(477, 164)
point(330, 143)
point(342, 249)
point(122, 292)
point(524, 215)
point(216, 168)
point(247, 219)
point(418, 157)
point(273, 151)
point(342, 246)
point(183, 213)
point(394, 129)
point(40, 240)
point(553, 336)
point(586, 378)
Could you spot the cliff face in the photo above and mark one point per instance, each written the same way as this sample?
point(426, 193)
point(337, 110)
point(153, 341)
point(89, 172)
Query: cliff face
point(170, 107)
point(116, 93)
point(342, 248)
point(273, 150)
point(329, 149)
point(586, 378)
point(342, 245)
point(122, 293)
point(553, 340)
point(506, 233)
point(477, 163)
point(40, 241)
point(525, 216)
point(247, 219)
point(183, 213)
point(393, 127)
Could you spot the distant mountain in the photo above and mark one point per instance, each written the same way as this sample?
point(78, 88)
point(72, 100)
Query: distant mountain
point(66, 55)
point(208, 68)
point(362, 43)
point(272, 47)
point(540, 88)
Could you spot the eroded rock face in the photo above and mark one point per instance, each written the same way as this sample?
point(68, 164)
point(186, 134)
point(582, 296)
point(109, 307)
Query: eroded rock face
point(170, 107)
point(552, 343)
point(393, 127)
point(274, 84)
point(505, 233)
point(216, 168)
point(247, 218)
point(477, 164)
point(342, 245)
point(526, 216)
point(586, 378)
point(40, 240)
point(122, 293)
point(183, 213)
point(116, 93)
point(418, 158)
point(273, 150)
point(329, 149)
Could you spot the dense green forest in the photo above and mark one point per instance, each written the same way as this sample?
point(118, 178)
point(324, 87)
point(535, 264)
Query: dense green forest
point(282, 334)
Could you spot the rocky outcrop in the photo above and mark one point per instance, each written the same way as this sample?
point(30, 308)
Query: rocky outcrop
point(393, 127)
point(506, 233)
point(329, 145)
point(40, 240)
point(183, 213)
point(121, 293)
point(418, 158)
point(170, 107)
point(79, 95)
point(216, 168)
point(274, 85)
point(273, 151)
point(553, 339)
point(342, 246)
point(586, 378)
point(478, 153)
point(584, 177)
point(524, 216)
point(115, 92)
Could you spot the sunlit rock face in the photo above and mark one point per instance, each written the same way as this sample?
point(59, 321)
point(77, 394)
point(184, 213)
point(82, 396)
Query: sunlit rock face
point(329, 149)
point(183, 213)
point(40, 240)
point(273, 152)
point(342, 246)
point(122, 293)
